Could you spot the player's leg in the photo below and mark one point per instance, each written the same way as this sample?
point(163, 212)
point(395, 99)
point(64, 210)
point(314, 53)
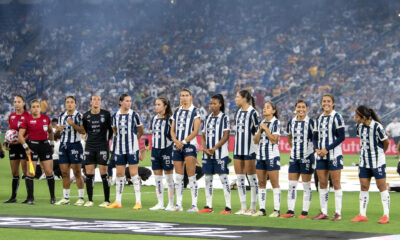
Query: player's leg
point(102, 159)
point(262, 195)
point(323, 177)
point(190, 162)
point(250, 166)
point(336, 176)
point(239, 166)
point(380, 177)
point(365, 180)
point(274, 179)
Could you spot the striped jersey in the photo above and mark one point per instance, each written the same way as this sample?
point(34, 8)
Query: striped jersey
point(213, 130)
point(70, 135)
point(246, 127)
point(326, 128)
point(267, 150)
point(371, 138)
point(184, 123)
point(126, 141)
point(161, 132)
point(302, 133)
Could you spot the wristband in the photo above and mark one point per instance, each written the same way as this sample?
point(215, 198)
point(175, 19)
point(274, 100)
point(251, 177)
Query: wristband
point(184, 142)
point(25, 146)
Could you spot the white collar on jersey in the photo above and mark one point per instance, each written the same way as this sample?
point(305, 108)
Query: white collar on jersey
point(371, 124)
point(331, 114)
point(249, 109)
point(130, 111)
point(272, 120)
point(218, 116)
point(75, 112)
point(190, 108)
point(305, 119)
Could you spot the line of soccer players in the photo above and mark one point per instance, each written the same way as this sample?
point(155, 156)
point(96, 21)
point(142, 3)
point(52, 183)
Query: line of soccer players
point(315, 144)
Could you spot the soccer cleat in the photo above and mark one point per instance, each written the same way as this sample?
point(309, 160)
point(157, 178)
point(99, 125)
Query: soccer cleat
point(177, 208)
point(79, 202)
point(241, 212)
point(29, 201)
point(250, 212)
point(337, 217)
point(259, 213)
point(275, 214)
point(52, 200)
point(359, 218)
point(303, 215)
point(25, 201)
point(384, 220)
point(193, 209)
point(169, 208)
point(206, 209)
point(62, 202)
point(320, 216)
point(137, 206)
point(226, 211)
point(114, 205)
point(104, 204)
point(158, 206)
point(11, 200)
point(288, 214)
point(88, 204)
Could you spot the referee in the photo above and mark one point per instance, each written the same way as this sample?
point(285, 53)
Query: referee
point(97, 124)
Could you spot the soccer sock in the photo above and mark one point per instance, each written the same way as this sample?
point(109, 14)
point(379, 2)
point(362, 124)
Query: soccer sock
point(241, 185)
point(14, 186)
point(194, 189)
point(227, 189)
point(119, 188)
point(171, 189)
point(292, 195)
point(159, 189)
point(323, 199)
point(254, 191)
point(136, 187)
point(385, 197)
point(29, 187)
point(364, 198)
point(179, 188)
point(81, 193)
point(106, 188)
point(66, 193)
point(50, 183)
point(209, 189)
point(338, 201)
point(89, 186)
point(277, 199)
point(261, 198)
point(307, 196)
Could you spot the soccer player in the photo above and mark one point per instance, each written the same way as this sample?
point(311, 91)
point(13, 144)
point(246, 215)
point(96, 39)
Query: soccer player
point(300, 133)
point(128, 129)
point(38, 128)
point(246, 123)
point(97, 125)
point(327, 140)
point(70, 151)
point(17, 153)
point(161, 153)
point(268, 158)
point(184, 129)
point(374, 143)
point(215, 152)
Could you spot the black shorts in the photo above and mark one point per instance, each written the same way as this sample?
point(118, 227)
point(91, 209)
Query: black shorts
point(17, 152)
point(96, 157)
point(41, 150)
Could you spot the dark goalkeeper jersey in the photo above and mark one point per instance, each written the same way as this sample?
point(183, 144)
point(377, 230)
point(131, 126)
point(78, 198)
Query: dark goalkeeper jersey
point(98, 130)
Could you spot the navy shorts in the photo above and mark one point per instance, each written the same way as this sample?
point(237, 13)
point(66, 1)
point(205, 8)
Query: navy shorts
point(187, 150)
point(17, 152)
point(245, 157)
point(332, 165)
point(302, 166)
point(71, 153)
point(269, 165)
point(214, 166)
point(377, 173)
point(162, 159)
point(123, 159)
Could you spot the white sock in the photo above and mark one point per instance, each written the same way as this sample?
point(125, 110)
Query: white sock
point(338, 201)
point(227, 189)
point(171, 189)
point(323, 200)
point(209, 189)
point(66, 193)
point(194, 189)
point(81, 193)
point(179, 188)
point(262, 195)
point(307, 196)
point(137, 188)
point(253, 190)
point(277, 199)
point(119, 188)
point(364, 198)
point(241, 184)
point(292, 195)
point(385, 197)
point(159, 189)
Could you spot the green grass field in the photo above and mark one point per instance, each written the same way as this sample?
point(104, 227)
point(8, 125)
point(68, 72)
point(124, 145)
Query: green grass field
point(43, 208)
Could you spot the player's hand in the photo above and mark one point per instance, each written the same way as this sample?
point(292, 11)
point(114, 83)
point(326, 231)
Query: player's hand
point(323, 152)
point(179, 145)
point(211, 151)
point(28, 152)
point(264, 127)
point(60, 128)
point(69, 121)
point(6, 146)
point(207, 151)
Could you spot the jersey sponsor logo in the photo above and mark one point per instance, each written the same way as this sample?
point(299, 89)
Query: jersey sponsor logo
point(13, 117)
point(32, 121)
point(12, 155)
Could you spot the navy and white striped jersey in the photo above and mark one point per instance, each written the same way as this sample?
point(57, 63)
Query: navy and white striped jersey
point(126, 141)
point(372, 137)
point(267, 150)
point(214, 128)
point(184, 123)
point(247, 123)
point(302, 134)
point(327, 129)
point(161, 130)
point(70, 135)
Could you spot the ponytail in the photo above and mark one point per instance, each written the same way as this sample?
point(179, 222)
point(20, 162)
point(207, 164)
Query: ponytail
point(369, 113)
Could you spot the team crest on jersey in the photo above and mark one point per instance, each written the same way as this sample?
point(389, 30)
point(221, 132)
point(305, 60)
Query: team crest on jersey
point(102, 119)
point(45, 128)
point(19, 123)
